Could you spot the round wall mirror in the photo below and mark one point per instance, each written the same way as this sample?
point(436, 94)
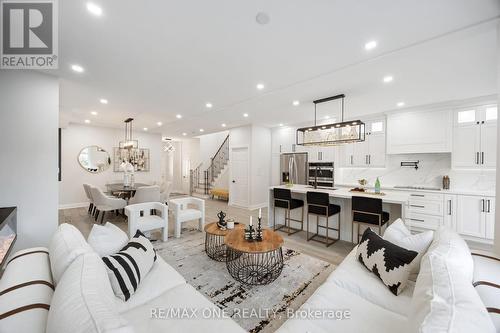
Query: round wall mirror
point(94, 159)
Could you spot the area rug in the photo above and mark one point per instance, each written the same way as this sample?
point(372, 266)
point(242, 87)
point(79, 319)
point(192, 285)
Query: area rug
point(265, 305)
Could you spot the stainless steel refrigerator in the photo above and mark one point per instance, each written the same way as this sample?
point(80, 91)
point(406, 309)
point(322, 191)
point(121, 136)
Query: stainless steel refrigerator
point(293, 167)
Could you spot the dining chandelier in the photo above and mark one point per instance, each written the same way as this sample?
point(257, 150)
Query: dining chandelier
point(129, 143)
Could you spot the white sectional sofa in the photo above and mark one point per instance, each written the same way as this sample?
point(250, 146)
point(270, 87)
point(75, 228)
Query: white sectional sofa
point(446, 296)
point(79, 297)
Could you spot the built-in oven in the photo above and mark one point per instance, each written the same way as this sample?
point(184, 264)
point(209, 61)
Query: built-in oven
point(321, 174)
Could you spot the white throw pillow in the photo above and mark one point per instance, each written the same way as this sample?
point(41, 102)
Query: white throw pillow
point(84, 301)
point(64, 247)
point(444, 300)
point(127, 268)
point(107, 239)
point(397, 233)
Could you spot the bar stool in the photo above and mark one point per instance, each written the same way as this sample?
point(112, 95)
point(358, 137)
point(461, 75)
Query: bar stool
point(368, 211)
point(318, 203)
point(283, 199)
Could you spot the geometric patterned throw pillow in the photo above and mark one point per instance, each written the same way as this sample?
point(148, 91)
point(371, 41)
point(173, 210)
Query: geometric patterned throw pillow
point(391, 263)
point(127, 268)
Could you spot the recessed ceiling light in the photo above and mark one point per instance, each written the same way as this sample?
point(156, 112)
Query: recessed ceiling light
point(184, 134)
point(370, 45)
point(94, 113)
point(260, 86)
point(94, 9)
point(202, 130)
point(400, 104)
point(296, 103)
point(87, 121)
point(103, 101)
point(159, 123)
point(245, 115)
point(281, 125)
point(388, 79)
point(327, 117)
point(262, 18)
point(209, 105)
point(223, 125)
point(178, 116)
point(145, 129)
point(77, 68)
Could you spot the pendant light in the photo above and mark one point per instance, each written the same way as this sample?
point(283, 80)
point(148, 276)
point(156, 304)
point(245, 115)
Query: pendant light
point(331, 134)
point(129, 143)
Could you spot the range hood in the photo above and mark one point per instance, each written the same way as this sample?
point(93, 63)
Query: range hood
point(331, 134)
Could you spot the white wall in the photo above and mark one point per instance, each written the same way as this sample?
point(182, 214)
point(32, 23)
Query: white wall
point(209, 144)
point(29, 109)
point(497, 207)
point(76, 137)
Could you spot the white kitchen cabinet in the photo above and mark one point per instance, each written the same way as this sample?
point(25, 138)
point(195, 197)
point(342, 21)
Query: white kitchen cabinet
point(369, 153)
point(283, 140)
point(419, 132)
point(475, 216)
point(474, 137)
point(450, 211)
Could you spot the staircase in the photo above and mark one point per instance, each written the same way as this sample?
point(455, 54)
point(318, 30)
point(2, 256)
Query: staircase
point(202, 181)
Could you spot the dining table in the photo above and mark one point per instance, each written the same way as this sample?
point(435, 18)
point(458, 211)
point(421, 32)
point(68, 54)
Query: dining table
point(122, 191)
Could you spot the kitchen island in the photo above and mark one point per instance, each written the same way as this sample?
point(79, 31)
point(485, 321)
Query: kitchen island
point(394, 202)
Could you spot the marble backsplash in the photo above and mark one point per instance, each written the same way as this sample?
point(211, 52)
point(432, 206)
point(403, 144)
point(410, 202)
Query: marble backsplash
point(432, 168)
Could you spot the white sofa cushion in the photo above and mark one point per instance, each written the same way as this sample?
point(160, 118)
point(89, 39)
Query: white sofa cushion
point(26, 282)
point(391, 263)
point(397, 233)
point(444, 300)
point(84, 301)
point(365, 317)
point(127, 268)
point(448, 244)
point(353, 276)
point(147, 318)
point(160, 278)
point(107, 239)
point(66, 245)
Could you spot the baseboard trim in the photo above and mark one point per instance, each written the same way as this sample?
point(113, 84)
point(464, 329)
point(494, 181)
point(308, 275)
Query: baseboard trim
point(73, 205)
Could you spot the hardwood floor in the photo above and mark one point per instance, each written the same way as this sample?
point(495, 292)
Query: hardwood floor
point(333, 254)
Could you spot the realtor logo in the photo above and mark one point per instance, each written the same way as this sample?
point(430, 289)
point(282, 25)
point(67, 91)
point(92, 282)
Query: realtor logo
point(29, 38)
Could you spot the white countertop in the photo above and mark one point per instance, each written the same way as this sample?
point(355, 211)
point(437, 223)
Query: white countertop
point(487, 193)
point(393, 197)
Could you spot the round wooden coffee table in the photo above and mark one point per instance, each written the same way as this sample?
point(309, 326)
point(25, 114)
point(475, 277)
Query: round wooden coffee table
point(254, 263)
point(214, 240)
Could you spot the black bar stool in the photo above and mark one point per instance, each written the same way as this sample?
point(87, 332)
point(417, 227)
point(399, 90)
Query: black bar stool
point(368, 211)
point(318, 203)
point(283, 199)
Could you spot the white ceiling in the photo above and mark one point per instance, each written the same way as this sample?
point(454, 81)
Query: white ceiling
point(158, 58)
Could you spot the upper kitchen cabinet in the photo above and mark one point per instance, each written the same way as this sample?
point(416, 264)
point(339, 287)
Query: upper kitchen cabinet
point(371, 152)
point(419, 132)
point(474, 137)
point(283, 140)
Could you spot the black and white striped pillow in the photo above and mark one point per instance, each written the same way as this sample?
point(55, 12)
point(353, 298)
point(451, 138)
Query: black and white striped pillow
point(128, 267)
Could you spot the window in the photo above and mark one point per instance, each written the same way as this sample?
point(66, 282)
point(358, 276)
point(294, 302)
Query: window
point(377, 126)
point(468, 116)
point(491, 113)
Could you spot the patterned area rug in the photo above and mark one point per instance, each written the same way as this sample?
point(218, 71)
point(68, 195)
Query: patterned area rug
point(301, 275)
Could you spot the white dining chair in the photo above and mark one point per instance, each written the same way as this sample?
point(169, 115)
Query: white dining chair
point(104, 203)
point(140, 218)
point(86, 188)
point(146, 194)
point(182, 213)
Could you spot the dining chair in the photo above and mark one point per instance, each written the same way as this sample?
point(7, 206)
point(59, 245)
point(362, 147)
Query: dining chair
point(86, 188)
point(146, 194)
point(104, 203)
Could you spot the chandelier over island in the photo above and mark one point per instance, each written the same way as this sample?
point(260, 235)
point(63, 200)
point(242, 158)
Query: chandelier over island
point(331, 134)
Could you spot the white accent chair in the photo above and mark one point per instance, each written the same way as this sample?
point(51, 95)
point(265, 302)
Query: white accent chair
point(182, 213)
point(147, 222)
point(145, 194)
point(86, 188)
point(104, 203)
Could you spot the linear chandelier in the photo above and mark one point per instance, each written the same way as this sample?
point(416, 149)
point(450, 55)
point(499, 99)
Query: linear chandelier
point(331, 134)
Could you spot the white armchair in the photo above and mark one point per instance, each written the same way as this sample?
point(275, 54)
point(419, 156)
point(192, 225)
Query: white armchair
point(104, 203)
point(146, 194)
point(147, 222)
point(182, 213)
